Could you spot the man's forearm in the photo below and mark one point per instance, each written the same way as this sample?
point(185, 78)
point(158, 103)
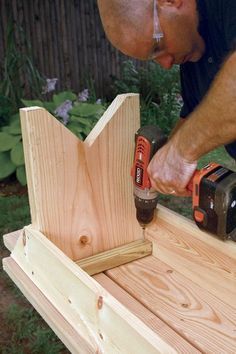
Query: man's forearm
point(213, 123)
point(177, 126)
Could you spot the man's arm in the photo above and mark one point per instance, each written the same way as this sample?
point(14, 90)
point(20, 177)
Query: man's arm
point(212, 124)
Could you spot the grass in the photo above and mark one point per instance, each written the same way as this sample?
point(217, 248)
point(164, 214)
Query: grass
point(27, 332)
point(22, 329)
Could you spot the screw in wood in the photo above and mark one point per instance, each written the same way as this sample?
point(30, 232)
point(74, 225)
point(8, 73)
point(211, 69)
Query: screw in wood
point(100, 302)
point(24, 238)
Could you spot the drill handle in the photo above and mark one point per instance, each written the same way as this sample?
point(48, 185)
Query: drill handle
point(190, 184)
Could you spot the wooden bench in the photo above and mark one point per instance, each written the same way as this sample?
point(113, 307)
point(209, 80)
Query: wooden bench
point(84, 265)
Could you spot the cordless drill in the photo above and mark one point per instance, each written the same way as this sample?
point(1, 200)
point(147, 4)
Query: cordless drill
point(148, 140)
point(213, 188)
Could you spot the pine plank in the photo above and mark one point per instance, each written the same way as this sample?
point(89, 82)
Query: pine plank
point(80, 193)
point(109, 153)
point(201, 318)
point(59, 192)
point(87, 306)
point(11, 239)
point(116, 257)
point(68, 335)
point(152, 321)
point(201, 257)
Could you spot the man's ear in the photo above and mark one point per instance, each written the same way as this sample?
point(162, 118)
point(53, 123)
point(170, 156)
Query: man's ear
point(174, 3)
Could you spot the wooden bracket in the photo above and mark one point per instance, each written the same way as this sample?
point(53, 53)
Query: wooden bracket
point(116, 257)
point(80, 193)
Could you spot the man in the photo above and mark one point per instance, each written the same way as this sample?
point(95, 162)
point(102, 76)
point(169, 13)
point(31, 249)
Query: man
point(200, 35)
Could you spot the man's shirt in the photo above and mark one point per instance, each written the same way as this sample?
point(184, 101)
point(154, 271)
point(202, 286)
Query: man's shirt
point(217, 26)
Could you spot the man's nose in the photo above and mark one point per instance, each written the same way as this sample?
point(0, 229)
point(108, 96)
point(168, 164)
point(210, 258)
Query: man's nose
point(166, 61)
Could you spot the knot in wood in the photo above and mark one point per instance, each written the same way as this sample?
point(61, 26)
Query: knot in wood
point(84, 240)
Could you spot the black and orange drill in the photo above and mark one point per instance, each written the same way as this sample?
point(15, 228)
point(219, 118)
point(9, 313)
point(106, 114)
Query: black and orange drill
point(214, 200)
point(213, 188)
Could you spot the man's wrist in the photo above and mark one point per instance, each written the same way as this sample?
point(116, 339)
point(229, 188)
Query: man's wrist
point(185, 144)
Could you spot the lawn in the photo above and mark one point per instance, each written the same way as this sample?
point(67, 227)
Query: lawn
point(21, 329)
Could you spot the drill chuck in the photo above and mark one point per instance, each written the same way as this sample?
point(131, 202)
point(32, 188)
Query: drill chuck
point(145, 210)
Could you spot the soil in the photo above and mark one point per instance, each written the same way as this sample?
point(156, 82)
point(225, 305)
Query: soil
point(12, 187)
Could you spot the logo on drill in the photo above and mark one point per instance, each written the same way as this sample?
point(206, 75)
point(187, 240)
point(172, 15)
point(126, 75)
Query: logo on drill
point(139, 176)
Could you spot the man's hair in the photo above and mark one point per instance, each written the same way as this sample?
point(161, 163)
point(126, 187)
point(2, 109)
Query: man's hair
point(118, 16)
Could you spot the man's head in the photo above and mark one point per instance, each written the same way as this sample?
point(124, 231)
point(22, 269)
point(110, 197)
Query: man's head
point(130, 25)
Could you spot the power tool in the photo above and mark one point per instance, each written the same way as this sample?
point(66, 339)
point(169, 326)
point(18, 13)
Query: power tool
point(148, 140)
point(213, 188)
point(214, 200)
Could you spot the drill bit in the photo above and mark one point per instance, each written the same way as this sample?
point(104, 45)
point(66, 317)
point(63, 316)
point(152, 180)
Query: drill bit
point(144, 229)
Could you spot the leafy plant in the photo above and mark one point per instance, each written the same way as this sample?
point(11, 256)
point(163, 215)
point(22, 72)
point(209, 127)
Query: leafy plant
point(18, 71)
point(79, 116)
point(11, 150)
point(159, 92)
point(5, 110)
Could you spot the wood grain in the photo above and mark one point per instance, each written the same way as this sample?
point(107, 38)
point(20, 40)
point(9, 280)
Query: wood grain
point(149, 318)
point(204, 320)
point(88, 307)
point(116, 257)
point(109, 154)
point(80, 193)
point(60, 195)
point(201, 257)
point(69, 336)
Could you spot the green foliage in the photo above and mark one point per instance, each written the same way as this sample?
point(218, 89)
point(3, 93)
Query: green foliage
point(7, 167)
point(61, 97)
point(159, 92)
point(17, 154)
point(21, 175)
point(29, 333)
point(83, 117)
point(5, 109)
point(15, 66)
point(80, 117)
point(7, 141)
point(11, 150)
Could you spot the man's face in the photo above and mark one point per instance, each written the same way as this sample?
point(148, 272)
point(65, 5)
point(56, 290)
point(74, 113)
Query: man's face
point(181, 41)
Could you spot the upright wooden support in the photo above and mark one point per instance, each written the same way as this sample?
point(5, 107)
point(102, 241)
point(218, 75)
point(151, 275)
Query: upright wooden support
point(80, 193)
point(179, 299)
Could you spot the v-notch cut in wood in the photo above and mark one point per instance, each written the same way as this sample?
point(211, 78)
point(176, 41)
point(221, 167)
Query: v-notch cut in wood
point(80, 193)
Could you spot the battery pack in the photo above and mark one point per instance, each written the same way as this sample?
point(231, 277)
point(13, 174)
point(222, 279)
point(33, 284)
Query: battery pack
point(214, 201)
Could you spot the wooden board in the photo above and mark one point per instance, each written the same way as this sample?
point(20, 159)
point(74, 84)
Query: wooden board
point(80, 193)
point(149, 318)
point(109, 153)
point(69, 336)
point(99, 318)
point(72, 338)
point(116, 257)
point(81, 198)
point(199, 317)
point(200, 257)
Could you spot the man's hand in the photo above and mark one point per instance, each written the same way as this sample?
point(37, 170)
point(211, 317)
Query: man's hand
point(169, 172)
